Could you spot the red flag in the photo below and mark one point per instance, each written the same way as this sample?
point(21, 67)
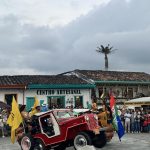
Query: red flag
point(112, 102)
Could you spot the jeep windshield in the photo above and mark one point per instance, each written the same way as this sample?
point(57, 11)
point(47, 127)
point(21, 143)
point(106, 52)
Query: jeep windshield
point(63, 113)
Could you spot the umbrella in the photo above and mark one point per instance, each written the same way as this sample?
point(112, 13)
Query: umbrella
point(4, 105)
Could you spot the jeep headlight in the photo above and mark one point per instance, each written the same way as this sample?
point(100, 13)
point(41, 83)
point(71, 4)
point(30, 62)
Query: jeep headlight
point(86, 118)
point(95, 117)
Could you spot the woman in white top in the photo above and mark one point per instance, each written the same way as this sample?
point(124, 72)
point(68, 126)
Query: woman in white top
point(127, 117)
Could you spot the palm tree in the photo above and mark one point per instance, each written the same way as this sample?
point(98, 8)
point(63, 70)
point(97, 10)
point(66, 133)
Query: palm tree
point(105, 50)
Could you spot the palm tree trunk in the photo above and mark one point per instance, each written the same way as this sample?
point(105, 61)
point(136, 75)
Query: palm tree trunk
point(106, 62)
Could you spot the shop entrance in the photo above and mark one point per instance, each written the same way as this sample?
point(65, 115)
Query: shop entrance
point(78, 101)
point(29, 103)
point(56, 102)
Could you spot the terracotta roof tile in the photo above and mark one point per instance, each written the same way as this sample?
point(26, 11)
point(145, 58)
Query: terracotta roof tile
point(115, 75)
point(40, 79)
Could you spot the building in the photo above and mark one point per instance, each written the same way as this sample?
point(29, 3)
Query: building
point(143, 102)
point(124, 85)
point(76, 88)
point(55, 90)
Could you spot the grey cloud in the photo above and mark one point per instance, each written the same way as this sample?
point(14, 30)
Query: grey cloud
point(40, 38)
point(123, 25)
point(126, 26)
point(117, 16)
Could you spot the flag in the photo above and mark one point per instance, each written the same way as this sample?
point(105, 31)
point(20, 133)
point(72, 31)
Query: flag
point(102, 96)
point(34, 111)
point(14, 119)
point(116, 119)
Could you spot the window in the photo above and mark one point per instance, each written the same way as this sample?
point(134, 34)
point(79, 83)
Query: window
point(47, 125)
point(8, 98)
point(29, 103)
point(63, 114)
point(130, 92)
point(78, 101)
point(56, 102)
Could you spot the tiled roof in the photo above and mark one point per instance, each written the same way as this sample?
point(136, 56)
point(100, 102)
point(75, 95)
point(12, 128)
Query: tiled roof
point(99, 75)
point(40, 79)
point(83, 78)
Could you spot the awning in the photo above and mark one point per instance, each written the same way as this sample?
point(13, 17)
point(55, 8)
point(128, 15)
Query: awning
point(61, 86)
point(139, 101)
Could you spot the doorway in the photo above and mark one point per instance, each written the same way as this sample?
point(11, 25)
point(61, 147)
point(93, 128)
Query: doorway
point(8, 98)
point(56, 102)
point(78, 101)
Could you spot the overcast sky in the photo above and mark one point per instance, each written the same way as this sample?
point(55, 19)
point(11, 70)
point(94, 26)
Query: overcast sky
point(55, 36)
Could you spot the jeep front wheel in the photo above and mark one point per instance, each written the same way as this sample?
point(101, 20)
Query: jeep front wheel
point(39, 145)
point(82, 139)
point(26, 142)
point(99, 140)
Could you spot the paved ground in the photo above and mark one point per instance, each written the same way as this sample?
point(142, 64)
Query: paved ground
point(129, 142)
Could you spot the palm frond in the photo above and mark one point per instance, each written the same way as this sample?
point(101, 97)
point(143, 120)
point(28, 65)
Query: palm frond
point(99, 50)
point(102, 47)
point(105, 50)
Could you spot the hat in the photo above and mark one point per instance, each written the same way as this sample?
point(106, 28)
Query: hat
point(44, 104)
point(22, 107)
point(37, 106)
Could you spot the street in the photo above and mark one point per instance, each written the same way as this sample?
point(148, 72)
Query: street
point(129, 141)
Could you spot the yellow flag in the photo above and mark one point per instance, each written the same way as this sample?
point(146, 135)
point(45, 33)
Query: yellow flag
point(34, 111)
point(10, 119)
point(15, 119)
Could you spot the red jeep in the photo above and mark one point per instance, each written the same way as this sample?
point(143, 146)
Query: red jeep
point(49, 130)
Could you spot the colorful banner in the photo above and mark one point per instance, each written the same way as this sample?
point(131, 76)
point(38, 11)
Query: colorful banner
point(116, 119)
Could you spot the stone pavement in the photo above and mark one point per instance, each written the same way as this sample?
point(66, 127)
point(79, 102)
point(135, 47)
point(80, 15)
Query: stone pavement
point(129, 142)
point(137, 141)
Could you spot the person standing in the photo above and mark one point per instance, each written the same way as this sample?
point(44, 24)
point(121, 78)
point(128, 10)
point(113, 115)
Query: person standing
point(141, 120)
point(94, 107)
point(35, 110)
point(132, 122)
point(149, 122)
point(137, 121)
point(127, 116)
point(44, 107)
point(122, 118)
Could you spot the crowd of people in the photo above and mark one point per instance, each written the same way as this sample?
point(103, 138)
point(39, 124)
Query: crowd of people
point(136, 121)
point(4, 114)
point(4, 128)
point(133, 120)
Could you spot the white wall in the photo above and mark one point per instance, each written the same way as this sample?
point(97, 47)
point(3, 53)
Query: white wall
point(19, 93)
point(86, 93)
point(23, 94)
